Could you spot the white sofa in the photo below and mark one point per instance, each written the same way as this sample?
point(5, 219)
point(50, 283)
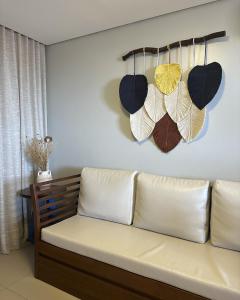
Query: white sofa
point(158, 227)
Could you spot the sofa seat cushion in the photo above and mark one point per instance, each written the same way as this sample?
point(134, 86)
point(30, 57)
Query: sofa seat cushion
point(199, 268)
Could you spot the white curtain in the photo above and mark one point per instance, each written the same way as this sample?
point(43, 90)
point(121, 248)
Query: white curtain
point(22, 114)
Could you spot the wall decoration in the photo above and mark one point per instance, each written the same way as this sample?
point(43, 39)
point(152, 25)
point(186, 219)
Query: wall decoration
point(204, 82)
point(167, 76)
point(133, 91)
point(154, 103)
point(141, 124)
point(184, 43)
point(192, 124)
point(170, 108)
point(166, 134)
point(178, 103)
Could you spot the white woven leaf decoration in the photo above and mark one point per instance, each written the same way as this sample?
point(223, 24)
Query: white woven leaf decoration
point(192, 124)
point(154, 103)
point(178, 103)
point(141, 124)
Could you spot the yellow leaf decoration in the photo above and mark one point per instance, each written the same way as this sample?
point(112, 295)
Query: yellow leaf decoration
point(167, 77)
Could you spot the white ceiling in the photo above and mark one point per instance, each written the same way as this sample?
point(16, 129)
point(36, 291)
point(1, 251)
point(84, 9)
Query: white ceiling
point(52, 21)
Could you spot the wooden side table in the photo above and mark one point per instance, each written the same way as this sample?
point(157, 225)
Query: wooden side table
point(25, 193)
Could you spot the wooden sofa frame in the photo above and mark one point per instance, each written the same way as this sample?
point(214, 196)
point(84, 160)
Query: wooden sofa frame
point(81, 276)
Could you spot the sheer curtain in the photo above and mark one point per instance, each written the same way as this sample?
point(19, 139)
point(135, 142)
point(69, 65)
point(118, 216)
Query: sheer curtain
point(22, 114)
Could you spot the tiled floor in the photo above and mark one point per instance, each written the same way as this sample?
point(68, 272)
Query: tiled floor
point(17, 281)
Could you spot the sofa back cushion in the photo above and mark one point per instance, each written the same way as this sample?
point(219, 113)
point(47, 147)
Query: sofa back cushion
point(173, 206)
point(225, 215)
point(107, 194)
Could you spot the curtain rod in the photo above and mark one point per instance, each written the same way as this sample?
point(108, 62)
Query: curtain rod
point(188, 42)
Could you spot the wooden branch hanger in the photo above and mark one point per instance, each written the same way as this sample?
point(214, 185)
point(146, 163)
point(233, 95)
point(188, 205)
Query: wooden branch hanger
point(185, 43)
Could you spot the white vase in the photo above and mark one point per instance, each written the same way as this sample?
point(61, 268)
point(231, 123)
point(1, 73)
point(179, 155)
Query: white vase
point(43, 176)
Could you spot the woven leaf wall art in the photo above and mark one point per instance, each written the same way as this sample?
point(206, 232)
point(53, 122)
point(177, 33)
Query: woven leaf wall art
point(171, 108)
point(192, 124)
point(133, 92)
point(178, 103)
point(154, 103)
point(166, 134)
point(167, 77)
point(141, 124)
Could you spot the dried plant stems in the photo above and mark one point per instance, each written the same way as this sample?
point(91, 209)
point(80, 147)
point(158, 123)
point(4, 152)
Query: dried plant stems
point(38, 150)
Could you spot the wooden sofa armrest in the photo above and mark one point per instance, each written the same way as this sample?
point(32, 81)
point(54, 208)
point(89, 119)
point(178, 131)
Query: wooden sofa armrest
point(54, 201)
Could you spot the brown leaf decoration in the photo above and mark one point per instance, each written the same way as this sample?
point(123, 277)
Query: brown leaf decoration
point(166, 134)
